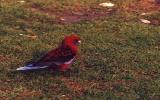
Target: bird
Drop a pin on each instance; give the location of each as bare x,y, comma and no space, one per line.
59,58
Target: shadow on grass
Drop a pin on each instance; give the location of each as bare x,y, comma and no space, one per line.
37,74
44,73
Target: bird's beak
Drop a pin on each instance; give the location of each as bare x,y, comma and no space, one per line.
79,41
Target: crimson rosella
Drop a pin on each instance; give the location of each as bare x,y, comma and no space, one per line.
59,58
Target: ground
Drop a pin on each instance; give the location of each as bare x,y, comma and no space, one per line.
119,56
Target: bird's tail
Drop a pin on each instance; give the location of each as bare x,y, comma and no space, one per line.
30,67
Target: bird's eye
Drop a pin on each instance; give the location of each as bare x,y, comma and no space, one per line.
75,41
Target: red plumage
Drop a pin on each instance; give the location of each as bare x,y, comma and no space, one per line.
59,58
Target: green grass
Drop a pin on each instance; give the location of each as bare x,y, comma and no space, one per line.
119,59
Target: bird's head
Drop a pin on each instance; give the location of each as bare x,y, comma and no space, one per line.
72,39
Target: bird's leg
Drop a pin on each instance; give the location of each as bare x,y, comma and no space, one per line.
53,67
64,67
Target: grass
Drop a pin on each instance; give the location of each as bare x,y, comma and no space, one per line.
119,55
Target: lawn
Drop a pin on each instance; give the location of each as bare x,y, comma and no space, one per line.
119,56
